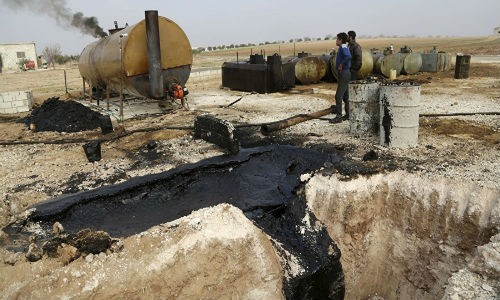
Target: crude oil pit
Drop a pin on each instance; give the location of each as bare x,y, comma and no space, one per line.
263,182
406,237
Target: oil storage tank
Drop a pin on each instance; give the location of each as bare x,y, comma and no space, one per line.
367,64
392,62
412,63
258,75
436,61
308,69
145,58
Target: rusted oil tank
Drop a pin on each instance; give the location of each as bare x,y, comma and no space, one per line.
329,74
309,69
124,54
412,63
367,64
391,62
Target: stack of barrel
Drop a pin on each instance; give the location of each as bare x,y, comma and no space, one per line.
389,110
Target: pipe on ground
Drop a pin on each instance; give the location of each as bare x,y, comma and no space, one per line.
268,128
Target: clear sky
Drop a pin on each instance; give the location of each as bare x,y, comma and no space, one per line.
223,22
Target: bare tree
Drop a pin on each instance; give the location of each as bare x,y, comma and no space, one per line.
51,52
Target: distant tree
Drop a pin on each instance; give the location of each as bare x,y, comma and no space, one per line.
298,40
291,40
307,39
51,52
329,36
22,63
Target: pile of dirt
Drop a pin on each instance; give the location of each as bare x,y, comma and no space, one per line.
67,116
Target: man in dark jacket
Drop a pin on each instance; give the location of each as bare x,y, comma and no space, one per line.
355,50
343,66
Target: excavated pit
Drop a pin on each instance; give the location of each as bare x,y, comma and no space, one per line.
263,182
403,236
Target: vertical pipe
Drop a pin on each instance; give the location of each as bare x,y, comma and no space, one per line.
107,95
91,92
65,83
83,80
293,48
121,77
154,54
237,58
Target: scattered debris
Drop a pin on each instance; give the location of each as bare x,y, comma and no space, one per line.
217,131
370,155
93,151
34,253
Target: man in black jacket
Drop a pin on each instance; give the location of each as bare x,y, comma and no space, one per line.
356,60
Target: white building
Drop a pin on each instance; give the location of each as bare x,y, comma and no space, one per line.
10,54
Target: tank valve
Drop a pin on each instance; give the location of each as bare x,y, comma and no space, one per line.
176,91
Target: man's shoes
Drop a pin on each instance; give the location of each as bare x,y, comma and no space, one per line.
337,119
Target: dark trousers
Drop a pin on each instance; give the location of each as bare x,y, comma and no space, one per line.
342,93
354,74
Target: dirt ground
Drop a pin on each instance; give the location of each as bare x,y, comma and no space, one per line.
203,254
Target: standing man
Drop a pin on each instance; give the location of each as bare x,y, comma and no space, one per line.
356,53
343,65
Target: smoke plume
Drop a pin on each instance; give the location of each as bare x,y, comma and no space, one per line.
58,10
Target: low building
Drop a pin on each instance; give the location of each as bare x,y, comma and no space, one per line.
11,54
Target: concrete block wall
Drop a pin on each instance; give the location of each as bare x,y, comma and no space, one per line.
197,75
16,102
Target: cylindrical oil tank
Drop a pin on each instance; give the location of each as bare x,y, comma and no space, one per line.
391,62
364,112
367,64
444,61
309,69
377,62
329,74
412,63
399,113
124,55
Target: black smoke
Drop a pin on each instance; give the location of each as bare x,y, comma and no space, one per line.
58,10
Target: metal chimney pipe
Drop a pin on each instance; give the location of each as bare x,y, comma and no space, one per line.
154,54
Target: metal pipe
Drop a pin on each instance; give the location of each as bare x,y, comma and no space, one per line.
121,75
278,125
83,79
65,83
91,91
154,54
107,96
